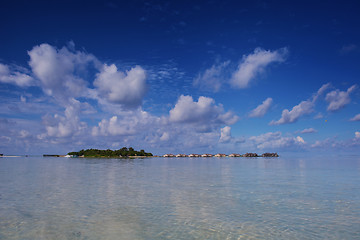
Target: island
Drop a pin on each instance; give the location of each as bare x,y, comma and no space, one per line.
122,153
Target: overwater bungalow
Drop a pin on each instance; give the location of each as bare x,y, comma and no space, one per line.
270,155
194,155
181,155
234,155
71,156
220,155
206,155
169,155
250,155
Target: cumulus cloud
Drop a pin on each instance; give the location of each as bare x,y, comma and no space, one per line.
15,77
338,99
127,89
308,130
225,135
113,127
65,75
262,109
60,71
186,110
212,78
59,126
303,108
275,140
356,118
189,124
141,127
129,123
254,64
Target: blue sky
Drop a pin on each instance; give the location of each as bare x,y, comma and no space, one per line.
179,76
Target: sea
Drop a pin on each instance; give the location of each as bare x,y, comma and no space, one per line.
180,198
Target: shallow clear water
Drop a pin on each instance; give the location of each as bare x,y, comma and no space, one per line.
200,198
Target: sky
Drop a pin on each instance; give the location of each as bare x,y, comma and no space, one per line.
180,76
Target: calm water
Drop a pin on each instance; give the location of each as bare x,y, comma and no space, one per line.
212,198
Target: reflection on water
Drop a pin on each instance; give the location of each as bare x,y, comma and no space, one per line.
212,198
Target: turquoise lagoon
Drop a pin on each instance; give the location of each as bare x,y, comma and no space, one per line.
180,198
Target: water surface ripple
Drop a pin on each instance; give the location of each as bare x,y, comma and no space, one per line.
180,198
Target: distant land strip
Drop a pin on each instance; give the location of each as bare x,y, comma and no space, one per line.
131,153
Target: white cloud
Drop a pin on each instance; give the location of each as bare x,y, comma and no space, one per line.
354,142
323,143
202,111
262,109
309,130
322,90
23,99
356,118
62,74
59,71
303,108
113,126
212,78
300,140
7,127
357,135
275,140
177,132
16,136
64,126
333,143
165,136
24,134
140,127
129,123
127,89
254,64
318,116
338,99
225,135
248,69
14,77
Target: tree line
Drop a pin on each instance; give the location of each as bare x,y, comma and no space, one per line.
123,152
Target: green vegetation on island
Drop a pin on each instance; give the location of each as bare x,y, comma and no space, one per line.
123,152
